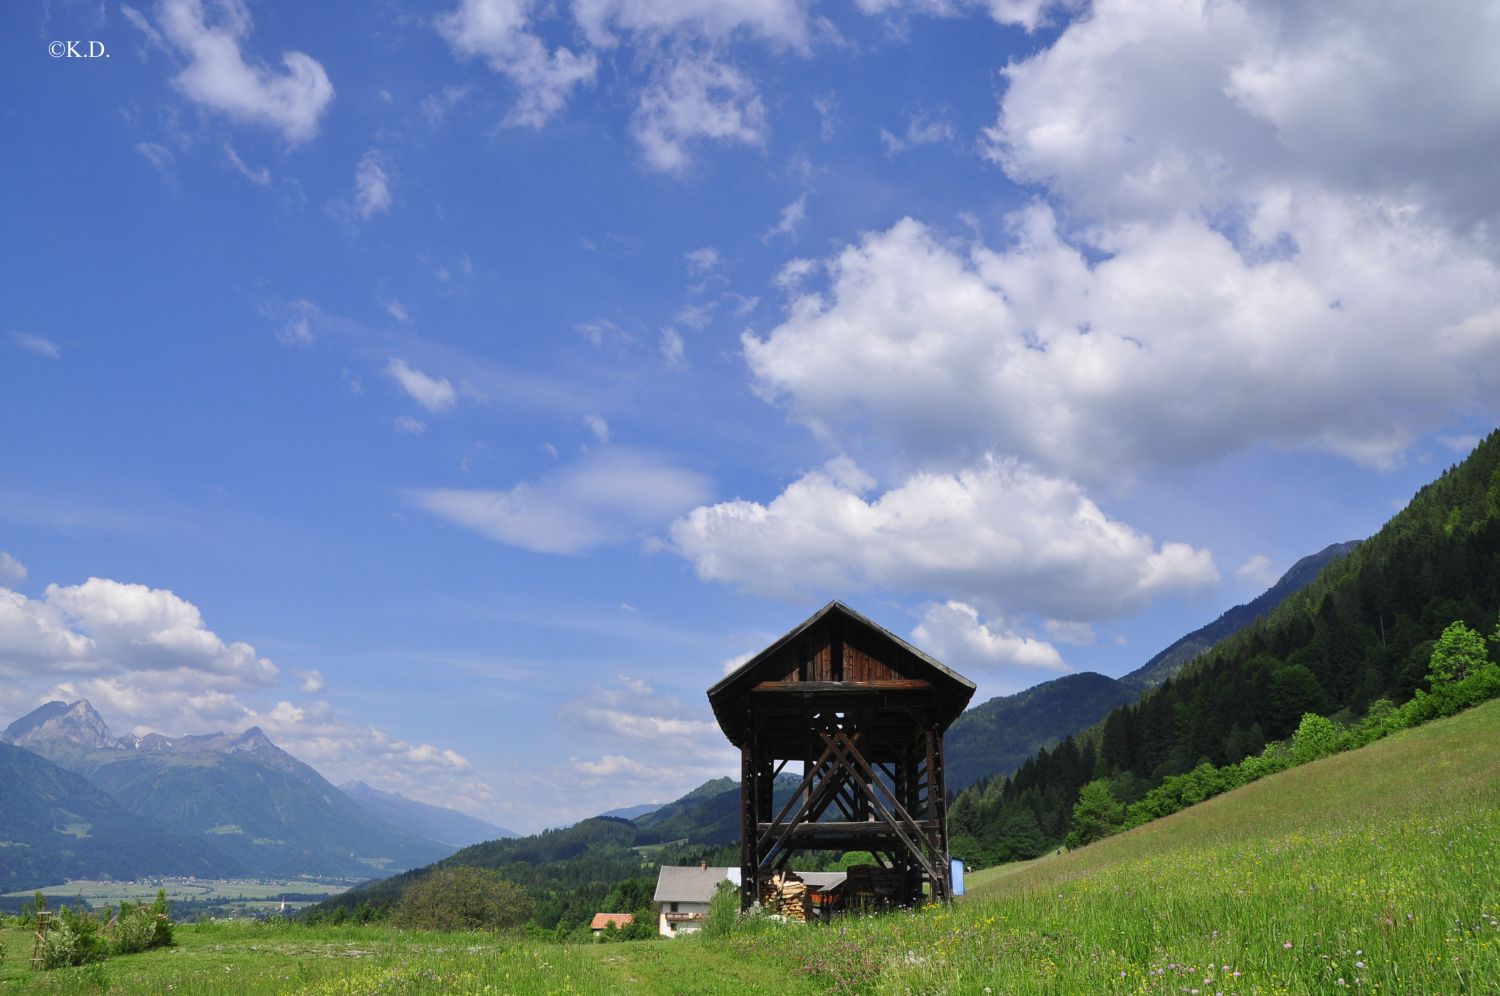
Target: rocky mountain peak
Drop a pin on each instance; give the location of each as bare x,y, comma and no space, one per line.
74,724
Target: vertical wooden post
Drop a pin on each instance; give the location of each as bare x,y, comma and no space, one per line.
749,817
937,811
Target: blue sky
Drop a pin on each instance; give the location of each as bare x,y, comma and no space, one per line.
456,394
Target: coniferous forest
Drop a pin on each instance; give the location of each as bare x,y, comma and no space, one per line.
1361,634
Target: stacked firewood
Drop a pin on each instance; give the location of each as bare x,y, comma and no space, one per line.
870,885
786,894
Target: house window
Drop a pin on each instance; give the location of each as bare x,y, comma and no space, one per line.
674,907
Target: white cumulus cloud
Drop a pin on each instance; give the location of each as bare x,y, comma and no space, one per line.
12,571
105,627
219,76
1177,347
997,534
991,651
1255,191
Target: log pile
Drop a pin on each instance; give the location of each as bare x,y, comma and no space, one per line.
786,894
870,885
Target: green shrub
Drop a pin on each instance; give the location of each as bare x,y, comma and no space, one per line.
74,939
1316,736
140,927
723,911
1276,757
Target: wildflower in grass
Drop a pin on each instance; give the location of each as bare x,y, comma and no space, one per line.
1287,945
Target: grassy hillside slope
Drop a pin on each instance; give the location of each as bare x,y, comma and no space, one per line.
1378,867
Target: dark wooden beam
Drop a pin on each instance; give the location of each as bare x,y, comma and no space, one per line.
824,688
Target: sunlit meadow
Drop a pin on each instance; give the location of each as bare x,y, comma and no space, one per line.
1372,871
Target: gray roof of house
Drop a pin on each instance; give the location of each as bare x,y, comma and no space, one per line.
691,884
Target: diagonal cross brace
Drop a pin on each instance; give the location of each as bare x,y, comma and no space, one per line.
850,757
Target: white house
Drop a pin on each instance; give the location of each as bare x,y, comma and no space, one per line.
683,894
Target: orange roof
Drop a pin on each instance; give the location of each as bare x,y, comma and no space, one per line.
603,920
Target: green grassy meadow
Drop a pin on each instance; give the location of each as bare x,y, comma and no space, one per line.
1372,871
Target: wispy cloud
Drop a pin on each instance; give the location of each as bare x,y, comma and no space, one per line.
161,159
260,175
1256,571
601,500
694,100
598,426
409,425
499,32
790,221
436,394
36,345
372,185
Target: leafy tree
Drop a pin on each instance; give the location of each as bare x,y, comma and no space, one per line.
1316,737
462,898
1097,814
1459,651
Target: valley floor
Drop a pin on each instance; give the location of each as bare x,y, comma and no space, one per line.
1374,871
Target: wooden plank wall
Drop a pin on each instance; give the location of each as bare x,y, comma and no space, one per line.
822,655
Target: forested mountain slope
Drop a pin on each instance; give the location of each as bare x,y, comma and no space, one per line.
997,737
1363,630
56,825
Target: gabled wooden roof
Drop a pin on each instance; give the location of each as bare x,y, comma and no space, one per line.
879,661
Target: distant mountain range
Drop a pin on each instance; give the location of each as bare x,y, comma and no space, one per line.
215,805
998,736
631,812
446,826
55,825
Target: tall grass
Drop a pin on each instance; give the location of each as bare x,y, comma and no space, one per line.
1374,871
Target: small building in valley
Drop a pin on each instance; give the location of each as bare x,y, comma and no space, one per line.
683,894
604,921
